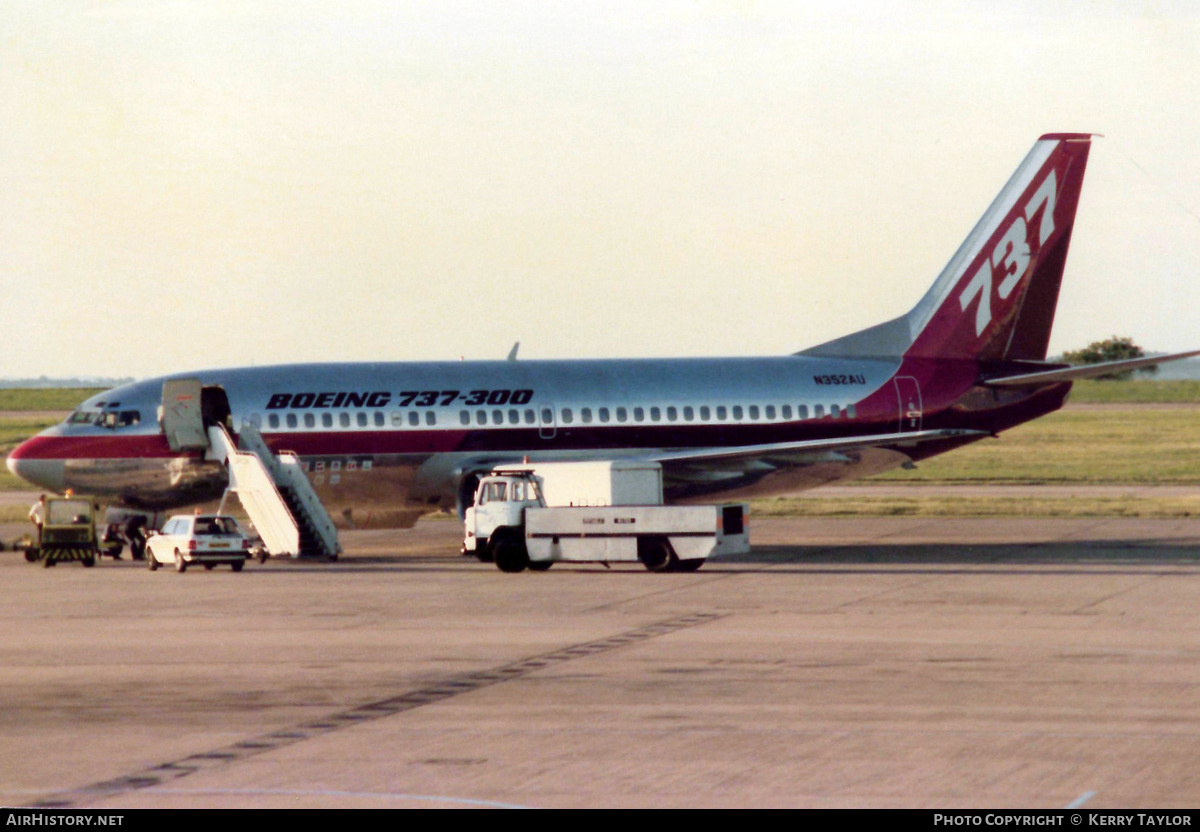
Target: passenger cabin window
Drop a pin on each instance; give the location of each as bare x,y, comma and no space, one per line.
380,421
786,411
851,412
737,411
326,420
688,414
722,413
430,417
414,418
344,419
529,416
770,411
310,420
753,411
603,414
639,415
291,420
818,410
567,416
273,420
361,418
655,414
835,411
672,414
802,411
464,417
585,415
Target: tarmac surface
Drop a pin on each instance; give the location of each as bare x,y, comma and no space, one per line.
862,662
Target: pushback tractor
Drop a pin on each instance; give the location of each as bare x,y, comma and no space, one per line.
533,516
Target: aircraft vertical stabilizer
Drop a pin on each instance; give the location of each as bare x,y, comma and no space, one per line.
996,297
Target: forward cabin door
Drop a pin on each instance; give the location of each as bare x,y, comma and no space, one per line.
182,417
908,391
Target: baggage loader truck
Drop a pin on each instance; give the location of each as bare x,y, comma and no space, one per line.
534,515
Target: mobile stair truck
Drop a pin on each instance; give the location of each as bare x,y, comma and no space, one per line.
534,515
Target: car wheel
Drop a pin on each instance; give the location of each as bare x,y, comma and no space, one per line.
88,562
151,561
208,567
237,565
689,565
540,565
180,563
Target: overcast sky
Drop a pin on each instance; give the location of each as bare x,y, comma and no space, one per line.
198,184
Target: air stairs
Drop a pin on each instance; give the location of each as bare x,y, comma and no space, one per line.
276,493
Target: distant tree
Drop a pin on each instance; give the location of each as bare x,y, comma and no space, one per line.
1115,348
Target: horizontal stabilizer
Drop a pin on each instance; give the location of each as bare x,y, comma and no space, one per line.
1086,371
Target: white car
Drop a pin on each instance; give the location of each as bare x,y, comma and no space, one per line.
205,539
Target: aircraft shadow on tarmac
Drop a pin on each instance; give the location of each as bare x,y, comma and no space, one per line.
1131,555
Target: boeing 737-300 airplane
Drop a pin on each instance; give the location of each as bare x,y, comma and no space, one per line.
382,443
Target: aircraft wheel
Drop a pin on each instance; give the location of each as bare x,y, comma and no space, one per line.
237,565
689,565
510,556
656,554
540,565
180,563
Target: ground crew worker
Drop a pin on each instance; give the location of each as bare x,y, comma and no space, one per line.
37,516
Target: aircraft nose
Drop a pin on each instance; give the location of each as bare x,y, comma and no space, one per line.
28,462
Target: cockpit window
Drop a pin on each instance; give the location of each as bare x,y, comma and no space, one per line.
105,419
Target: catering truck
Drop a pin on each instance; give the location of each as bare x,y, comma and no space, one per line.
534,515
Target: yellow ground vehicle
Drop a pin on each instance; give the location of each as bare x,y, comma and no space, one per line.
68,533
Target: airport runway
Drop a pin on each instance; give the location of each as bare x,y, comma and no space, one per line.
848,662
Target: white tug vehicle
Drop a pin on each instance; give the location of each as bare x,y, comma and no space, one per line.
531,516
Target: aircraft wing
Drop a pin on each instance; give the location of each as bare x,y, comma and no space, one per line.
821,448
745,471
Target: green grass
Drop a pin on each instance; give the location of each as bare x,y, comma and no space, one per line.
44,398
1109,445
1135,392
973,506
16,429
